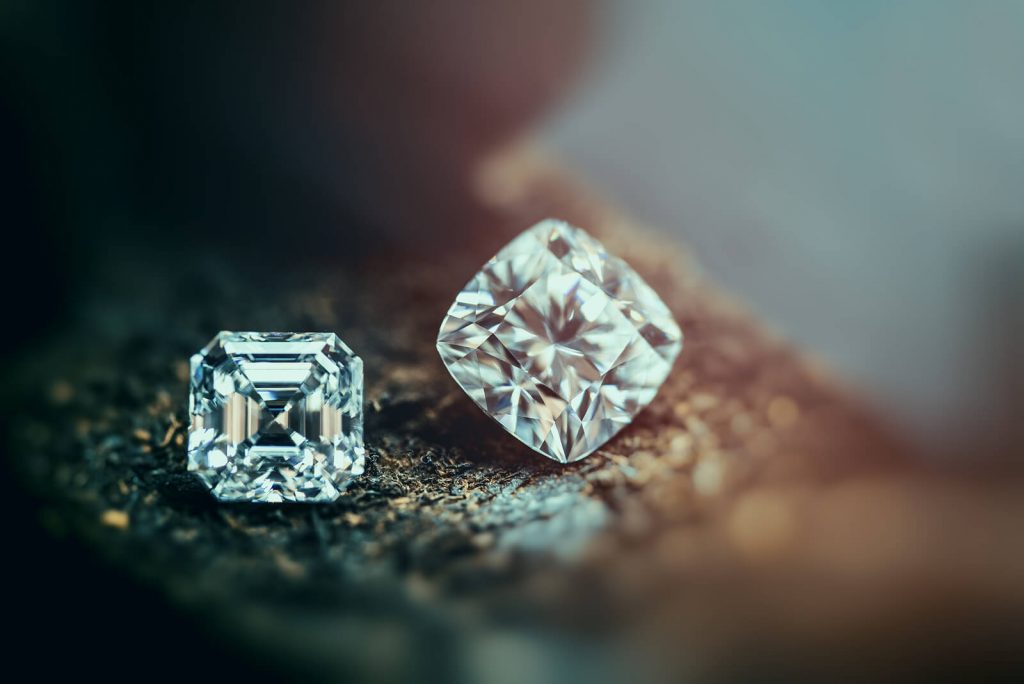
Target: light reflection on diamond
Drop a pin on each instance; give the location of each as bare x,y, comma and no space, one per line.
276,416
558,341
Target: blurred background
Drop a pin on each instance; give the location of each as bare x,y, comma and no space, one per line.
851,171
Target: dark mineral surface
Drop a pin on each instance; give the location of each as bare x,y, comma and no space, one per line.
753,520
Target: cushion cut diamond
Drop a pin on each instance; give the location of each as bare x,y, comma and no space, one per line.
558,341
276,416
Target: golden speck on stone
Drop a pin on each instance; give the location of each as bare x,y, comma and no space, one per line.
232,521
607,476
645,464
680,449
703,401
353,519
699,429
168,435
484,540
289,567
709,475
115,518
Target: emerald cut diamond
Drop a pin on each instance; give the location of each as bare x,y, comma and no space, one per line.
276,416
558,341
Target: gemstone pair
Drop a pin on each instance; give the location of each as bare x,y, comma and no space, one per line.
559,342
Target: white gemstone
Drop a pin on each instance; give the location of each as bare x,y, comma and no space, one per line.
276,416
560,342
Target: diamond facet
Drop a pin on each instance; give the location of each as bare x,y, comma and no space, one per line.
560,342
276,416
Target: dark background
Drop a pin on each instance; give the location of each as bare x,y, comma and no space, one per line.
170,157
143,138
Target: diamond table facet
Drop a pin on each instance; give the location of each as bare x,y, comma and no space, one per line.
276,416
560,342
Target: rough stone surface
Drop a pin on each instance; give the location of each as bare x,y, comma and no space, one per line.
753,522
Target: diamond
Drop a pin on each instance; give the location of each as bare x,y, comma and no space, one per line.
276,416
560,342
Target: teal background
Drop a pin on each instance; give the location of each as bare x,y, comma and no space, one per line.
852,170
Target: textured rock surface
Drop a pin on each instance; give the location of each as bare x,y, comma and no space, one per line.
752,517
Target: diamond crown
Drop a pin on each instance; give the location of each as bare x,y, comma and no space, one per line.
560,342
276,416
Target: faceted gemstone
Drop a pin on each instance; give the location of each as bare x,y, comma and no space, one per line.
558,341
276,416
